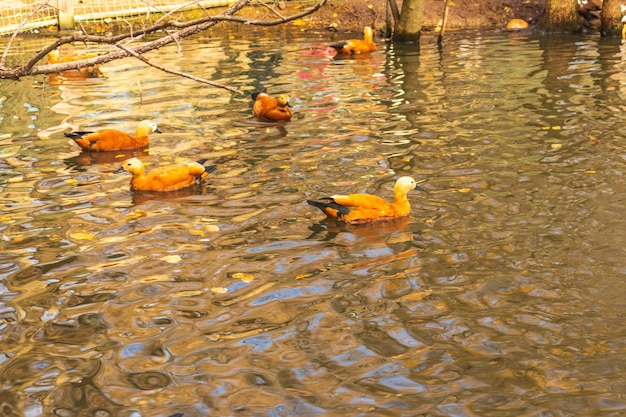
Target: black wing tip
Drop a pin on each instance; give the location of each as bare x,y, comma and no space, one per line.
256,93
330,204
339,45
76,135
207,170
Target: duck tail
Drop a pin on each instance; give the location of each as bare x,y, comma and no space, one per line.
339,45
256,93
329,207
207,170
76,135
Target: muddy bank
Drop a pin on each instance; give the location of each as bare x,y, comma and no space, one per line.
351,15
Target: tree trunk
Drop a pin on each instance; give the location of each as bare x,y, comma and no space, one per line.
561,16
611,20
409,26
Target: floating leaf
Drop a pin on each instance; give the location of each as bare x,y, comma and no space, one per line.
190,293
556,146
196,232
156,278
243,276
7,151
302,276
136,214
212,228
71,181
464,190
219,290
298,22
244,217
172,259
82,236
590,171
417,295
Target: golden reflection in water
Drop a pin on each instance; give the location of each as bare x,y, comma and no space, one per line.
85,158
501,294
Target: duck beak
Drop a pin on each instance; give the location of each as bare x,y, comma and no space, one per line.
119,170
157,130
417,187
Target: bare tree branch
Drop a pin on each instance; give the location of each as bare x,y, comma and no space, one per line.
182,30
179,73
17,30
271,9
182,6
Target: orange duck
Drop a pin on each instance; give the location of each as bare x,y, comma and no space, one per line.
275,109
357,46
364,208
169,178
114,140
92,71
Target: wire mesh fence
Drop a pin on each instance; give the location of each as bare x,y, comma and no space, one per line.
28,15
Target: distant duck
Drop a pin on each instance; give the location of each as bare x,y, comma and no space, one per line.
364,208
357,46
516,24
114,140
92,71
271,108
168,178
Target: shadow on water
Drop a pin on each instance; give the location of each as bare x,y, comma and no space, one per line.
329,229
86,158
501,293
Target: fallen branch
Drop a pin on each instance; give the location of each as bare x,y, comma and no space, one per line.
179,73
182,30
17,30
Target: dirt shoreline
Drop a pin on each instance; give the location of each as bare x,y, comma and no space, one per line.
352,15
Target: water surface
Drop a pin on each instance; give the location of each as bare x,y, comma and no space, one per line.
501,295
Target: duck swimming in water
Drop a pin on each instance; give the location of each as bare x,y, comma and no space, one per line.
114,140
357,46
271,108
168,178
91,71
364,208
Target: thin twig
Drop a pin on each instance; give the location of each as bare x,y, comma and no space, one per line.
182,6
183,29
444,20
140,93
17,30
175,40
130,26
179,73
271,9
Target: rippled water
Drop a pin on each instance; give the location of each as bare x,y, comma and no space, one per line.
501,295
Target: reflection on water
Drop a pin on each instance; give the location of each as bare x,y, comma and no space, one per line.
500,295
